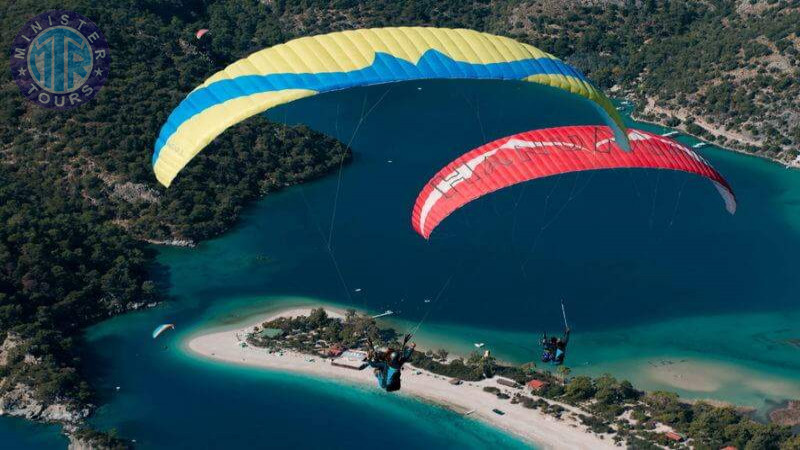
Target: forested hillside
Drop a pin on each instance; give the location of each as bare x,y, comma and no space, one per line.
728,71
78,198
77,195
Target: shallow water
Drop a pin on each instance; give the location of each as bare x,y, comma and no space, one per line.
169,398
651,267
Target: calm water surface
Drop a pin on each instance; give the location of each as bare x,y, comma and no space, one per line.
650,265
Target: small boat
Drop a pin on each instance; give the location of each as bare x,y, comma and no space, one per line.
478,344
469,412
388,312
427,300
699,145
498,412
389,161
357,290
670,134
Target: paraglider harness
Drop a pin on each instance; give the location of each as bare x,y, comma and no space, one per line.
548,348
388,364
554,349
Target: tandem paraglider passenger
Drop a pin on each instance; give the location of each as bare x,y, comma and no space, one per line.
554,349
548,348
388,364
561,348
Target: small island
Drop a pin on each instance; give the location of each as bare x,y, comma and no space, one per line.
533,403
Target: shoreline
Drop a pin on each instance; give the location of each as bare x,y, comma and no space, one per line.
531,426
637,116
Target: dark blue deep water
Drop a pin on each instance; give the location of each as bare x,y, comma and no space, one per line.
634,253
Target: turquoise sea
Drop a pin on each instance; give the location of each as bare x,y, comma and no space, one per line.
19,434
660,283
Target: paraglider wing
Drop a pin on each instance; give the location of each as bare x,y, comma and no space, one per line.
312,65
161,329
542,153
200,33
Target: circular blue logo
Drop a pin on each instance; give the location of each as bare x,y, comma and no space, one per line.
60,59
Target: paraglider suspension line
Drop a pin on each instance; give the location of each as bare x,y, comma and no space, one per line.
655,197
476,109
327,247
516,211
677,202
341,160
436,299
573,194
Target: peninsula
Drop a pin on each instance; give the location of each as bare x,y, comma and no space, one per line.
533,404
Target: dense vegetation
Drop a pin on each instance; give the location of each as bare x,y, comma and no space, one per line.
64,266
732,66
96,439
77,194
316,332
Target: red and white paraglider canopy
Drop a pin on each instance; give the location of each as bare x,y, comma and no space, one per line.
552,151
200,33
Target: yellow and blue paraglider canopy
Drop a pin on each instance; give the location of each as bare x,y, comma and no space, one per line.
317,64
162,328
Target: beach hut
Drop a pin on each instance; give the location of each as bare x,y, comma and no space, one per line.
335,350
507,382
673,436
351,359
536,385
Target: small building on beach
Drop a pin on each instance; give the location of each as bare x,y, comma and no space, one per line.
507,382
536,385
334,351
351,359
673,436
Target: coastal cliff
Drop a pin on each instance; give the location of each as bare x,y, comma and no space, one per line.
19,399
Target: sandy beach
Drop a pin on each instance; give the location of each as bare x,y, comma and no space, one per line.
533,426
711,377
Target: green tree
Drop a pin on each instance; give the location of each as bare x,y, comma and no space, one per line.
580,388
